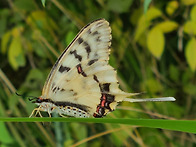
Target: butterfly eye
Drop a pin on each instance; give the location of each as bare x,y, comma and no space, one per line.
38,100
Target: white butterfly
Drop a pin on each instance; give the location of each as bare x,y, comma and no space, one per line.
81,82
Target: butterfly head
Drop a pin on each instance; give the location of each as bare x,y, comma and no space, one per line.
33,99
36,99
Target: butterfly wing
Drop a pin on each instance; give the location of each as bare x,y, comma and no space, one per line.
81,75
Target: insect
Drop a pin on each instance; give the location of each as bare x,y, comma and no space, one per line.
81,82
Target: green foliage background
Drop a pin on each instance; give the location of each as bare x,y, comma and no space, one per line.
153,51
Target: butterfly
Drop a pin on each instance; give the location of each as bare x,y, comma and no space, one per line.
81,82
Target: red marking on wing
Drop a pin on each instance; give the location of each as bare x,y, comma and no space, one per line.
103,103
79,69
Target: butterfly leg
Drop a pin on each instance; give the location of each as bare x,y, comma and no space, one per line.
49,114
62,115
33,112
37,111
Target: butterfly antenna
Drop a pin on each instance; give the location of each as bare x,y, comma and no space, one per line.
19,94
30,98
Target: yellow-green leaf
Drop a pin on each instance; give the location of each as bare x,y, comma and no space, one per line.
5,136
167,26
136,15
141,29
17,31
156,42
188,2
190,52
153,86
189,27
171,7
145,21
193,13
39,19
15,54
153,13
4,42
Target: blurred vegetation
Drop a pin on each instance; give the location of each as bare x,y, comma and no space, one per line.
154,52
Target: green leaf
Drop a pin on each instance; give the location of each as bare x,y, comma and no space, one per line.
171,7
69,37
175,125
174,73
193,13
5,137
189,27
190,52
4,15
40,20
190,89
145,20
167,26
188,2
156,42
136,15
15,54
25,5
146,5
119,6
43,3
4,42
153,13
153,86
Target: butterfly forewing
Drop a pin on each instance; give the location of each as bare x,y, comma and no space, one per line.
82,75
87,46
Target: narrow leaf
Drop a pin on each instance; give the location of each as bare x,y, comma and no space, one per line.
175,125
146,5
43,3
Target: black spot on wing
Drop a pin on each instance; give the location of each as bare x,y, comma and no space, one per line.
76,55
95,33
64,68
92,61
80,40
89,31
99,24
109,98
95,78
80,70
54,89
62,89
87,48
98,39
104,87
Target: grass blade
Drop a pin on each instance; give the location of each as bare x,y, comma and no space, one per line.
175,125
